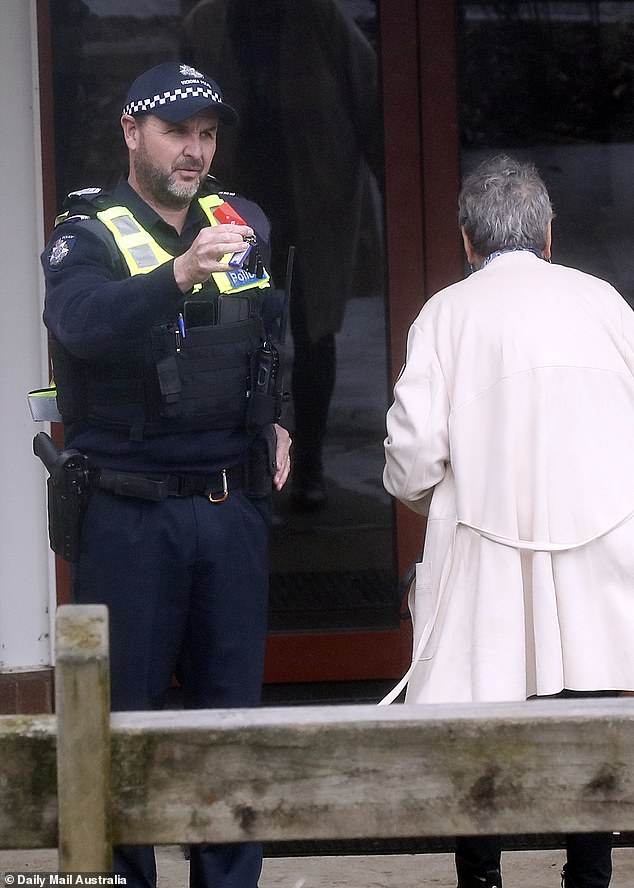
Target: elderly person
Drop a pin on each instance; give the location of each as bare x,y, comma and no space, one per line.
512,428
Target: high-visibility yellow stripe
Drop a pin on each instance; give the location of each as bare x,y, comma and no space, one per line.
143,254
139,249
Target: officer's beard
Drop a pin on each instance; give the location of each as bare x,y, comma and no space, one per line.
162,187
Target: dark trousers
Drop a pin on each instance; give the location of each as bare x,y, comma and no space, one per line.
588,855
186,585
589,859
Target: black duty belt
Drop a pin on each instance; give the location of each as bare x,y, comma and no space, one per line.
216,486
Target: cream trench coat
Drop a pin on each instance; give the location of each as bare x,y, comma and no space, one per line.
513,429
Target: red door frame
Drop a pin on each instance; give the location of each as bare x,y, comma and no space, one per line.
418,59
422,170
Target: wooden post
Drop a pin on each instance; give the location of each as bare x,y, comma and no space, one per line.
82,695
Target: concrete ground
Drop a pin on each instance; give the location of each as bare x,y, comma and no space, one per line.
520,869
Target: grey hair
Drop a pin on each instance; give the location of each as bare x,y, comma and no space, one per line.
504,204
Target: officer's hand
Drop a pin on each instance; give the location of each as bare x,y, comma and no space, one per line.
203,257
282,457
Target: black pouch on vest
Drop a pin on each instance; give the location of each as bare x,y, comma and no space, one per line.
265,399
200,312
203,372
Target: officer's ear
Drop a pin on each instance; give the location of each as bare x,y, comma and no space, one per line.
130,128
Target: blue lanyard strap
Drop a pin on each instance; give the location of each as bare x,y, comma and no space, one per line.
511,250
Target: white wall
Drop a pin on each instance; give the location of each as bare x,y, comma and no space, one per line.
26,577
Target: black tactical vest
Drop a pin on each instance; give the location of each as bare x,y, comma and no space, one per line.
193,373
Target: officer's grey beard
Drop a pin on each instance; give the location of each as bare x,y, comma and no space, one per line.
163,189
182,195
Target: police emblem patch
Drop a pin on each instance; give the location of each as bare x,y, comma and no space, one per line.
188,71
60,250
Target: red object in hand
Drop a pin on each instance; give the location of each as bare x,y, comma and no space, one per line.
226,215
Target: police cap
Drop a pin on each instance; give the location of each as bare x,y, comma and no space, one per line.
174,91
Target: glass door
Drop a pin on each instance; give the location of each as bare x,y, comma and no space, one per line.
553,82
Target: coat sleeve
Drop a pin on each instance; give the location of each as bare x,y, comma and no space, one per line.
417,442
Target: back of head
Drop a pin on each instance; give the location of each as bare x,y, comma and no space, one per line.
504,204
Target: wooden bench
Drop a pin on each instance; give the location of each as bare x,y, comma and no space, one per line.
84,779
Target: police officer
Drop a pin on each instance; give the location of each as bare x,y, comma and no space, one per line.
157,300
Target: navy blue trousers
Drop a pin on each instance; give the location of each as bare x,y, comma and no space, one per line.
186,585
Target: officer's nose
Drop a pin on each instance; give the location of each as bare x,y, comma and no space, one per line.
193,146
194,149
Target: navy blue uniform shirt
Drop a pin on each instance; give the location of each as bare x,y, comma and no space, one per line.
96,310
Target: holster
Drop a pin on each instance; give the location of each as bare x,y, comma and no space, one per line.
68,488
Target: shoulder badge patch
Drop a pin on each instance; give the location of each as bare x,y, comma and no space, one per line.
60,250
84,192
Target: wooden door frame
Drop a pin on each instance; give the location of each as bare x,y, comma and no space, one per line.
422,178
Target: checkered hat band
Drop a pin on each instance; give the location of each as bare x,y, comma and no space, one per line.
188,92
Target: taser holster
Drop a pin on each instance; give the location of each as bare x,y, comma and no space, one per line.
67,487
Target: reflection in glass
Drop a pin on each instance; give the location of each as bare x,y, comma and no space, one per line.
554,82
304,80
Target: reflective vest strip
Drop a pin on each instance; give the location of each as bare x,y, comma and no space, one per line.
139,249
143,254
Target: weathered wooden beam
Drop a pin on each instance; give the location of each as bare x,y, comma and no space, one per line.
363,771
295,773
82,703
28,782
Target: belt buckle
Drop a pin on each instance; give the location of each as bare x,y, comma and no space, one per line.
225,490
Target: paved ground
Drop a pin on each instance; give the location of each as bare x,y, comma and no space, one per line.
521,869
